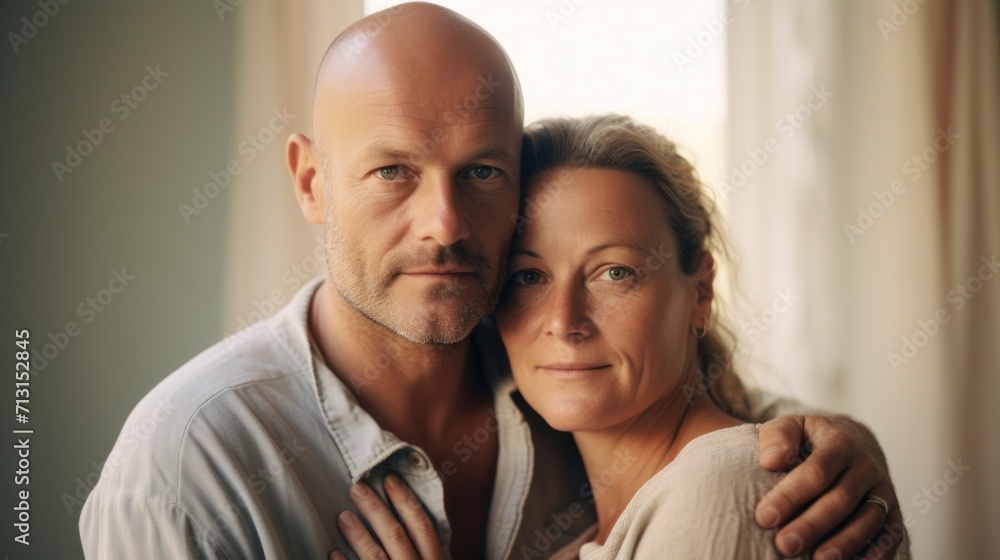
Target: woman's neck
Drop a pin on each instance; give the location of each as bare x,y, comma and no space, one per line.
620,459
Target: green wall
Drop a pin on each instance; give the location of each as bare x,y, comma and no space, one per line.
61,240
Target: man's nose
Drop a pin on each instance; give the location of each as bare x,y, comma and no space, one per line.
439,212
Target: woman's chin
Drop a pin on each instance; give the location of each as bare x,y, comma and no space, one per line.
572,415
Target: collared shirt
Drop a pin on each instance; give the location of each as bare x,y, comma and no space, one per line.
249,450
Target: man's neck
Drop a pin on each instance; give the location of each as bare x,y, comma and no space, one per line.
416,391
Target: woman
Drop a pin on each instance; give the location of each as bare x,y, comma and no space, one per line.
608,321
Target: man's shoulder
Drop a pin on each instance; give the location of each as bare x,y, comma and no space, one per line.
223,396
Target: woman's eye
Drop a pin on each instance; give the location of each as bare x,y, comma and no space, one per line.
527,277
388,173
617,273
485,172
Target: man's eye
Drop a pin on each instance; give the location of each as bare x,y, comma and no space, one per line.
485,172
617,273
389,173
528,277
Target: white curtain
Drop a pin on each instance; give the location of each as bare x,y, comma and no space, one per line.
864,187
272,250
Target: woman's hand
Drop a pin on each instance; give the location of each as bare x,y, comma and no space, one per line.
415,539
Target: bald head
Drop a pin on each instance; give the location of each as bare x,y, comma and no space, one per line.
423,48
414,171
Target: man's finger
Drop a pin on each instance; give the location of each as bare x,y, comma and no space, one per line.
418,524
780,440
800,487
835,506
852,537
387,528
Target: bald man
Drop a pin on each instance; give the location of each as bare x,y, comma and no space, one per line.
250,450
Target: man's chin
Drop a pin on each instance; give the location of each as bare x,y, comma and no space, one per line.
435,333
433,321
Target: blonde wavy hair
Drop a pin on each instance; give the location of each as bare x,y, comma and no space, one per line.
617,142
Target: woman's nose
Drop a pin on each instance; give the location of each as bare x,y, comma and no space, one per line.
567,317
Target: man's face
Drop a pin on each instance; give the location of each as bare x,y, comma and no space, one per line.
421,182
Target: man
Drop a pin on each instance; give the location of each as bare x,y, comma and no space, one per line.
252,447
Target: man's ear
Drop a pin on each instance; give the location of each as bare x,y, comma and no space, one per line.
704,279
306,170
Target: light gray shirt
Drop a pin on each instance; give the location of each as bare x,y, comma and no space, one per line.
249,450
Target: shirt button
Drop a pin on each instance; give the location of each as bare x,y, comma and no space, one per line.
417,460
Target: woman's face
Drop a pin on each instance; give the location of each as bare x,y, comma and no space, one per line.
597,313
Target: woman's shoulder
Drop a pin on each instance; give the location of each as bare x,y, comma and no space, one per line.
722,466
709,490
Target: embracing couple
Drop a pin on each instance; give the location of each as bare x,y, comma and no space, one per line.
388,412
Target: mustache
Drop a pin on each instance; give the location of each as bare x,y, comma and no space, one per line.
455,255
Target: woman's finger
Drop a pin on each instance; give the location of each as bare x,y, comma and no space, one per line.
395,542
359,538
418,523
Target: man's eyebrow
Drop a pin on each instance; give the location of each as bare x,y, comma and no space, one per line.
385,149
494,150
379,148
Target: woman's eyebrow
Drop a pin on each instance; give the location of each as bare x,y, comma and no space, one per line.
525,252
613,244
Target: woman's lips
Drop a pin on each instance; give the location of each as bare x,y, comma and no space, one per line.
573,370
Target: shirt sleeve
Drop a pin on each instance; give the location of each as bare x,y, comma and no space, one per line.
114,526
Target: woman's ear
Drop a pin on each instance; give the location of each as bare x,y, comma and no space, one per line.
704,279
306,170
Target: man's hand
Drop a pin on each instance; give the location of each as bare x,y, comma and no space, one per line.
843,465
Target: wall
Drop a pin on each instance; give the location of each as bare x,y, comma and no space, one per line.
64,235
